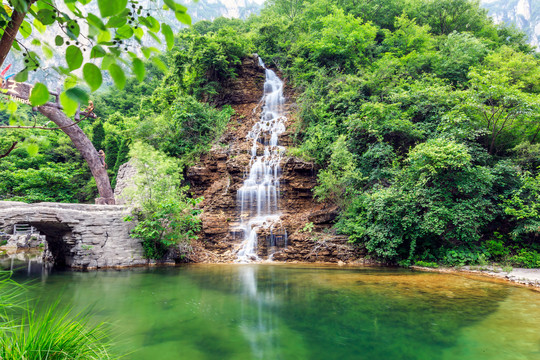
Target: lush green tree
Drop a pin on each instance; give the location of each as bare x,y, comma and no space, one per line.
439,200
524,206
338,41
340,179
446,16
166,216
459,52
118,30
204,63
502,109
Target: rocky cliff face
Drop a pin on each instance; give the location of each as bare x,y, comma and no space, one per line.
525,14
221,172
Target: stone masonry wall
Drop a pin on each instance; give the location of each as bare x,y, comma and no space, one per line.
84,236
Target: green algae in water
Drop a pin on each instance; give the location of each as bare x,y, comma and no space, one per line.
304,312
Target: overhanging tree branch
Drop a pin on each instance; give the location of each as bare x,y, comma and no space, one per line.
9,150
42,127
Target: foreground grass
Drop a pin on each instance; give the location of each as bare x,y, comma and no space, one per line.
49,334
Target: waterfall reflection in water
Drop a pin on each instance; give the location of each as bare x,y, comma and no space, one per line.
258,324
256,311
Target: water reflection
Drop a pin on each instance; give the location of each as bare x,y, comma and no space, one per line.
257,323
27,263
287,312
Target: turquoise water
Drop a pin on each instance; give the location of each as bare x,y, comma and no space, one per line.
303,312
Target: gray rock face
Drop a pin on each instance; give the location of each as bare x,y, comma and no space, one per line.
79,235
124,179
525,14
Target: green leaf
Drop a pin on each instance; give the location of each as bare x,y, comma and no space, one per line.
39,95
39,26
107,61
111,7
92,76
74,57
47,51
70,106
97,52
169,37
139,33
117,75
138,69
46,16
170,4
160,64
78,95
104,37
174,6
26,29
146,52
32,149
116,22
154,36
125,32
183,17
96,21
58,40
21,76
73,29
70,81
152,24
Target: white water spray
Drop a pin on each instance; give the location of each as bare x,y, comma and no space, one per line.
259,195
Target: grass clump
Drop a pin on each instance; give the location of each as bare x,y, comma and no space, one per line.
46,334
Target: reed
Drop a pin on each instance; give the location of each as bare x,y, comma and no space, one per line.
32,333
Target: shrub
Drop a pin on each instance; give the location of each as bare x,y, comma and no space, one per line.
527,258
166,215
173,222
426,264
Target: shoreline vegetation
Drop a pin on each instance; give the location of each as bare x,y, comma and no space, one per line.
425,127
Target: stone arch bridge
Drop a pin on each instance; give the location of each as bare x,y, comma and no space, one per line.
78,235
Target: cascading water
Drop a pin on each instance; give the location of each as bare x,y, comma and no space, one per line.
259,195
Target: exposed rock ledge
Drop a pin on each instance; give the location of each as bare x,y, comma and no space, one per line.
78,235
526,277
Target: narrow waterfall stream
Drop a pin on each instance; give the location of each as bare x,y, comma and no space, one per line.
258,198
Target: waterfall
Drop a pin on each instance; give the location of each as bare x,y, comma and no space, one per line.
258,198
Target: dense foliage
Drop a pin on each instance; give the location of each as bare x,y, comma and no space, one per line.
424,116
166,216
171,116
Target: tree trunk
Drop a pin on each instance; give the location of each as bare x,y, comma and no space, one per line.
87,150
10,34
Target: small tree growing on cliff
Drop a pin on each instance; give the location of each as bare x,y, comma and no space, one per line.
110,40
166,216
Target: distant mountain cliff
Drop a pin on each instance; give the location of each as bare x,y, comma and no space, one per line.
211,9
525,14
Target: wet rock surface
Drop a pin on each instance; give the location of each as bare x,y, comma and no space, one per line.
220,173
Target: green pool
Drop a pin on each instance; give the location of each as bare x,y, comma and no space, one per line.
303,312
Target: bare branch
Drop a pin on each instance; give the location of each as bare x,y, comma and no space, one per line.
9,150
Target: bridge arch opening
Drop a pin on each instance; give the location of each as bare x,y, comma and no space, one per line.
59,243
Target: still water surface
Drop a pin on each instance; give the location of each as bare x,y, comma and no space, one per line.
303,312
